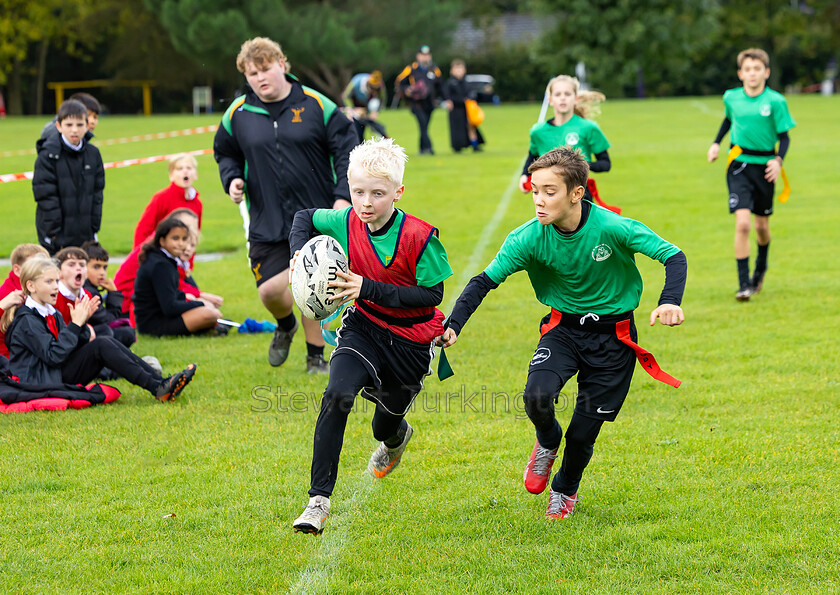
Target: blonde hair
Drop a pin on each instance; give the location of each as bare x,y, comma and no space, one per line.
175,159
24,252
755,54
588,102
260,51
380,158
32,270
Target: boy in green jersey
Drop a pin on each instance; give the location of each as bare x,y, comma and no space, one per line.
580,259
758,117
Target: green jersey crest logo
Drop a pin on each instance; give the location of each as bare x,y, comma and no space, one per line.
601,252
765,110
572,139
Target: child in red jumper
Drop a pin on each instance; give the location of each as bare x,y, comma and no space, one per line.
183,172
10,290
72,266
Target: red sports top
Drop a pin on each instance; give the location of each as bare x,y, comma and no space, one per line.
416,324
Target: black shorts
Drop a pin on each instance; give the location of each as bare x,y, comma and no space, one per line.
748,189
268,259
604,366
397,365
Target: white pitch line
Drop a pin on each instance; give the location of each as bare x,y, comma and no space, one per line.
317,573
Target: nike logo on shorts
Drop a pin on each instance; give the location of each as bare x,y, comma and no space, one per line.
603,411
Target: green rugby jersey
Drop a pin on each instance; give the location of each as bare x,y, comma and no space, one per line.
757,121
577,133
433,266
592,270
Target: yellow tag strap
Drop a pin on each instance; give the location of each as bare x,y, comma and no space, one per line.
784,196
733,153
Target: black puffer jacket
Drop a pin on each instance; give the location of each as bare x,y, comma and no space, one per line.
68,188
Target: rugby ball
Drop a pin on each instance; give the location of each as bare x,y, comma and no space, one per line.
315,267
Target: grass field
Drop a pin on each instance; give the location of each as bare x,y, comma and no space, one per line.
728,484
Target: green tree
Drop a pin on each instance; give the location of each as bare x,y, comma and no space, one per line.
28,31
628,46
326,41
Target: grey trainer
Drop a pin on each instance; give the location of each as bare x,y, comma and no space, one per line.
314,517
278,351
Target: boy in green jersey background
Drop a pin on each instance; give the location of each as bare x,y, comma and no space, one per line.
580,259
758,117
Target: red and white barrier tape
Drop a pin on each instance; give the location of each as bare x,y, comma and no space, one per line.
129,139
27,175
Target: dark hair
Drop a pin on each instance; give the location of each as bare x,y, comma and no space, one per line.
95,251
567,163
71,109
88,100
68,253
161,231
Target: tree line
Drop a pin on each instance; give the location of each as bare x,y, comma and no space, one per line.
630,48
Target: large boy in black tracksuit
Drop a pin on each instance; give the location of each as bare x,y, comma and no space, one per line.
68,182
284,147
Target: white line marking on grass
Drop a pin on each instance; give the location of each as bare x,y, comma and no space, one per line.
324,562
702,107
487,233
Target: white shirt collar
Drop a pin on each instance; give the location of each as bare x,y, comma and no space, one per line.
169,255
42,309
73,147
65,291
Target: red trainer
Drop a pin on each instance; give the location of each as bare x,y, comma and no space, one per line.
538,469
560,506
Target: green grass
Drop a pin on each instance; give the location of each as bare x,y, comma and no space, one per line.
728,484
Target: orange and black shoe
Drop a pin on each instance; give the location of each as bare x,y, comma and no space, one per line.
538,469
384,459
560,506
171,387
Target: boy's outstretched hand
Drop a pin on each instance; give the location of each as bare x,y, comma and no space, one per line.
350,283
668,314
448,338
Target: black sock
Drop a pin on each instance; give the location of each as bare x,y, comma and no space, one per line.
398,438
312,350
286,324
761,259
743,271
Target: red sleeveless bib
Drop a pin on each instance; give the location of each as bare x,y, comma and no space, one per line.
416,324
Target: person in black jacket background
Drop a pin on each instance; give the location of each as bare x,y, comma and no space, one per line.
160,307
462,134
296,144
420,84
68,182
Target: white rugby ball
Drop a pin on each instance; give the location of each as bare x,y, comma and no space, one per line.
315,267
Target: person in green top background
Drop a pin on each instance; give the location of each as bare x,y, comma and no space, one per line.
580,260
758,117
571,127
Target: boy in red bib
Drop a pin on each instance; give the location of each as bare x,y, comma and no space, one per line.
386,341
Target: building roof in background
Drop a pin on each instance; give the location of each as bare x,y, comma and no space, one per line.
508,29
